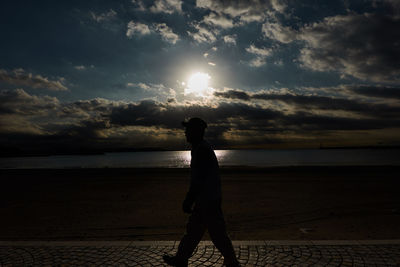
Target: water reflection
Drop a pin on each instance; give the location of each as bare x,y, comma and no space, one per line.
181,159
222,155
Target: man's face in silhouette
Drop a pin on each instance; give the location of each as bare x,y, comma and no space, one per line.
193,134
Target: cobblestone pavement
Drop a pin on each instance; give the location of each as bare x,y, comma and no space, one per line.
250,253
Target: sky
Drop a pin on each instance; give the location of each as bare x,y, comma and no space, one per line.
114,75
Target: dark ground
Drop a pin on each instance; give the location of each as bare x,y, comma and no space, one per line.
145,204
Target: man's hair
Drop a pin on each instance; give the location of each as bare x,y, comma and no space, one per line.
195,123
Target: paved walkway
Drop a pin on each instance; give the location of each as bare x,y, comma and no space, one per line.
250,253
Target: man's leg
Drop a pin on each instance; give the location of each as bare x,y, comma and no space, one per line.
195,229
217,230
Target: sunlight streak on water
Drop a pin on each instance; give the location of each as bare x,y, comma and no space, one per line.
181,159
222,154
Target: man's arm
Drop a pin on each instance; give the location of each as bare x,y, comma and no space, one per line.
195,187
197,179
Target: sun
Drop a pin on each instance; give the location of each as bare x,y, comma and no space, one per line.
198,84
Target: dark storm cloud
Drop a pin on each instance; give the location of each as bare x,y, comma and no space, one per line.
375,91
21,113
20,77
365,46
315,102
41,124
100,123
148,113
86,129
234,94
104,114
100,105
20,102
392,4
151,113
305,122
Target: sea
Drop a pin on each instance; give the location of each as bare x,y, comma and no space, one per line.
181,159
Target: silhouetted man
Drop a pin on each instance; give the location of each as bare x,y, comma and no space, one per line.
204,196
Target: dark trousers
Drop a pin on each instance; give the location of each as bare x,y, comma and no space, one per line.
202,218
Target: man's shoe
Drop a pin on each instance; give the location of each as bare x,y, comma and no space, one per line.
174,261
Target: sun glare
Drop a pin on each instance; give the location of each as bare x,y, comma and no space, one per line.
198,83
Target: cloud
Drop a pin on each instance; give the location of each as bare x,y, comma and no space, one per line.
153,91
86,109
218,20
245,10
279,5
87,129
136,27
162,29
107,16
203,34
20,77
278,32
151,113
20,102
230,39
140,6
140,85
316,103
166,33
364,46
375,91
393,4
261,55
80,67
44,123
248,124
257,62
166,6
233,94
259,51
11,124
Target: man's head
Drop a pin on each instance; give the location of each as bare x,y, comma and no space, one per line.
194,131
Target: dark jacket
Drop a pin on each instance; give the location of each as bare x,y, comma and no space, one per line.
205,182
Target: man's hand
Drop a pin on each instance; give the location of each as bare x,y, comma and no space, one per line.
187,206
